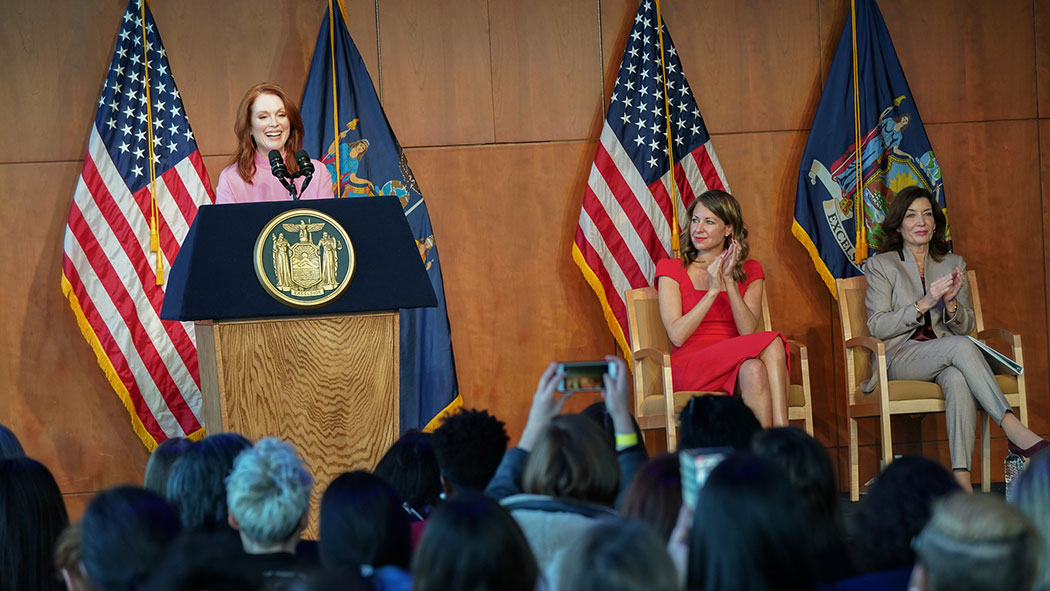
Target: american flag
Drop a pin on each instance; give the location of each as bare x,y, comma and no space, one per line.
626,219
109,270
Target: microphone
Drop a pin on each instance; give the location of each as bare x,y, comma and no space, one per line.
306,168
279,170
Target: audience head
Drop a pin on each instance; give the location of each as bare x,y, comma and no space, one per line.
975,542
363,522
472,543
808,467
717,421
32,515
10,446
654,495
268,494
197,481
572,460
469,446
160,461
1031,494
600,414
411,467
898,208
748,530
69,561
614,555
124,533
897,507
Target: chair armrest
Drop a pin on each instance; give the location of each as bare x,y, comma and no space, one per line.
657,356
798,347
1014,340
872,344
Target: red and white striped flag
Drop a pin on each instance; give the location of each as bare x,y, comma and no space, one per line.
142,175
626,219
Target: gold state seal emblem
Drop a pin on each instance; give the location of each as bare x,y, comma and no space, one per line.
304,258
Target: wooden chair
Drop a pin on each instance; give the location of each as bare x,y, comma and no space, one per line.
656,404
906,396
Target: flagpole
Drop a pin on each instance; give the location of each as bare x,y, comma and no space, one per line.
335,97
154,232
675,246
861,252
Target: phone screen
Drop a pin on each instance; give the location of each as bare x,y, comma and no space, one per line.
584,376
696,465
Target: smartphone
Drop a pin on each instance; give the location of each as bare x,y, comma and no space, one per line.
584,376
695,466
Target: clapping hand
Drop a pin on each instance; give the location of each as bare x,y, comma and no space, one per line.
729,261
956,286
714,273
936,290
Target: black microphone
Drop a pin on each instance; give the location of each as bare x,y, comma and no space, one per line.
279,170
306,168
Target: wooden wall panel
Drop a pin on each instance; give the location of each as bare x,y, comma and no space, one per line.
437,71
742,59
617,18
966,61
52,393
546,70
516,300
1042,56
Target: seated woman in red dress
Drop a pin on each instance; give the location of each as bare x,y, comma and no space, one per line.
711,305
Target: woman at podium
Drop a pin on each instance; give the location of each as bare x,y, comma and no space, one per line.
267,120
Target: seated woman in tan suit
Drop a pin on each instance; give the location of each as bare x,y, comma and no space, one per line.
918,302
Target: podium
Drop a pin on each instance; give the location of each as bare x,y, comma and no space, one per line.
325,378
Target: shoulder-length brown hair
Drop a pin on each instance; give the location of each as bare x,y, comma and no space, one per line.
727,208
573,460
891,225
244,157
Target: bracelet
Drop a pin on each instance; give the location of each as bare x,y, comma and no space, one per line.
625,440
918,311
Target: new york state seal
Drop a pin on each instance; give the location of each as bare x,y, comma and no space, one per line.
304,258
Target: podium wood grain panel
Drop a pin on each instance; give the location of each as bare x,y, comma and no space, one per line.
329,385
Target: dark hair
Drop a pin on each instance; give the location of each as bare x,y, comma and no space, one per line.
748,530
600,414
10,446
362,522
891,225
32,516
124,533
197,481
160,461
727,208
469,446
717,421
572,460
472,543
411,467
617,555
244,157
897,507
655,494
808,467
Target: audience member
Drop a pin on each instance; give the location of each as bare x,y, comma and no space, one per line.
197,481
716,421
32,515
69,563
654,495
469,446
616,555
124,533
600,414
473,544
897,507
363,523
10,446
973,543
808,468
160,461
411,467
1031,494
748,530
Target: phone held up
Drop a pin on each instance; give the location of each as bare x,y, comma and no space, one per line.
584,376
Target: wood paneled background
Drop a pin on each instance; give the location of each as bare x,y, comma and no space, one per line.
498,104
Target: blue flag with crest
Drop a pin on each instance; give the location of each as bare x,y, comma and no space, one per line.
866,144
347,129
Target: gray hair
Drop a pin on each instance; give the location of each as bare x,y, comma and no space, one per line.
268,491
1031,494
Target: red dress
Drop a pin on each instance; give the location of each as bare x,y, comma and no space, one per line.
710,358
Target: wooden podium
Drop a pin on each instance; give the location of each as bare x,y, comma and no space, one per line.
324,379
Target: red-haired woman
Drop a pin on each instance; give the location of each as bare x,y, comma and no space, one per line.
267,119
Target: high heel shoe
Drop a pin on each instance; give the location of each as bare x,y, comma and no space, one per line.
1041,445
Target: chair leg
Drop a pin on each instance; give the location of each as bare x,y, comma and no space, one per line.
854,462
887,439
986,453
